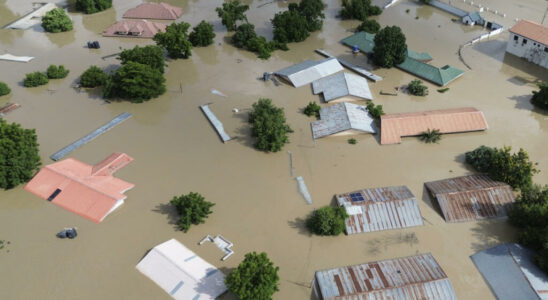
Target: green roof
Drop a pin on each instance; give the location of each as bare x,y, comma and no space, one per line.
419,56
364,40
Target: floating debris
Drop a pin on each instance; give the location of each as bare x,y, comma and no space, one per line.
68,233
218,93
215,122
221,242
290,162
304,190
8,108
94,45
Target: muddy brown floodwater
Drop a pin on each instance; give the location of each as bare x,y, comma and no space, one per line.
258,206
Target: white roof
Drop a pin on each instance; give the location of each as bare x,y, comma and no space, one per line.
309,71
181,273
341,117
341,85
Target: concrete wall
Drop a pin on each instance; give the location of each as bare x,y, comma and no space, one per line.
531,50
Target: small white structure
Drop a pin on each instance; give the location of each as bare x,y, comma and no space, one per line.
309,71
181,273
215,122
32,18
342,119
221,243
342,87
530,41
11,57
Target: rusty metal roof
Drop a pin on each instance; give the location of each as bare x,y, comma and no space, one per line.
394,126
342,117
531,30
471,197
406,278
378,209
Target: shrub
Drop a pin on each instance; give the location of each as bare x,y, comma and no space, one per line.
370,26
268,126
56,20
245,37
192,209
352,141
430,136
152,56
135,82
244,33
19,158
255,278
93,77
290,26
390,48
57,72
375,111
231,12
416,88
4,89
359,9
93,6
202,35
441,91
35,79
175,40
328,220
540,97
312,109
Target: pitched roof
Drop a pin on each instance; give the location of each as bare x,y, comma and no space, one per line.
531,30
142,28
364,40
476,17
309,71
341,85
89,191
160,11
394,126
181,273
341,117
406,278
378,209
471,197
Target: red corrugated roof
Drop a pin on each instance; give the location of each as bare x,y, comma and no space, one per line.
160,11
531,30
394,126
89,191
146,29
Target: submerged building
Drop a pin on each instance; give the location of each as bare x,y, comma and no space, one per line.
342,87
308,71
342,119
134,28
159,11
530,41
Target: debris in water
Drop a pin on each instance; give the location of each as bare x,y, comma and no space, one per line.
221,242
235,110
216,92
68,233
266,76
290,162
304,190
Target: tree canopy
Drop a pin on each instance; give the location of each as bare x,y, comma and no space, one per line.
370,26
359,9
327,220
56,20
255,278
175,40
57,72
192,209
416,88
202,35
93,77
312,109
244,33
93,6
135,82
19,159
312,10
231,12
150,55
540,97
4,89
246,37
290,26
268,126
390,47
35,79
375,111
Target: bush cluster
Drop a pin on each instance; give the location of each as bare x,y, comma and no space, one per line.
540,97
359,9
202,35
296,23
246,37
328,220
376,111
231,12
93,77
416,88
35,79
370,26
93,6
192,209
56,20
57,72
175,40
4,89
390,47
255,278
268,126
135,82
312,109
147,55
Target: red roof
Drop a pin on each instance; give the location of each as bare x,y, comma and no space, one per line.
87,190
531,30
160,11
134,28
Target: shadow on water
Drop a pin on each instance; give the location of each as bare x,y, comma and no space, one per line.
431,201
378,245
490,233
170,212
536,72
522,102
300,225
244,132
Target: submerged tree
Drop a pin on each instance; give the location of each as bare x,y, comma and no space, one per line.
328,220
148,55
192,209
359,9
231,12
57,72
370,26
540,97
19,159
56,20
376,111
202,35
255,278
93,6
312,109
244,33
135,82
268,126
390,47
35,79
4,89
93,77
312,10
416,88
290,26
175,40
430,136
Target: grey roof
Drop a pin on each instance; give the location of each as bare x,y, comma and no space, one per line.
510,273
341,85
341,117
215,122
308,71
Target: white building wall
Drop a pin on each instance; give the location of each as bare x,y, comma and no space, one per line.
529,49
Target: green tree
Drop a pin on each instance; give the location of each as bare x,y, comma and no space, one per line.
19,159
390,47
231,12
192,209
430,136
540,97
57,72
202,35
135,82
261,46
327,220
268,126
359,9
481,158
290,26
93,6
56,20
370,26
375,111
244,33
416,88
35,79
312,109
256,278
312,10
93,77
175,40
148,55
4,89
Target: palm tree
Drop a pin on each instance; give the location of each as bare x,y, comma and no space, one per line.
430,136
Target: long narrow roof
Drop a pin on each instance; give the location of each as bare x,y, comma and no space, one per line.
341,117
531,30
144,28
407,278
309,71
471,197
378,209
159,11
394,126
87,190
341,85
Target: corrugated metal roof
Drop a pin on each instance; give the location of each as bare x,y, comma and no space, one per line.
471,197
341,85
511,274
378,209
341,117
394,126
531,30
215,122
406,278
308,71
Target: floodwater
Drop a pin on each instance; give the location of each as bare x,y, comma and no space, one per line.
258,206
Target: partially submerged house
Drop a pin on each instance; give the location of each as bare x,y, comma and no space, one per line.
342,119
158,11
342,87
530,41
395,126
472,197
473,18
511,274
181,273
32,18
134,28
417,277
309,71
378,209
90,191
